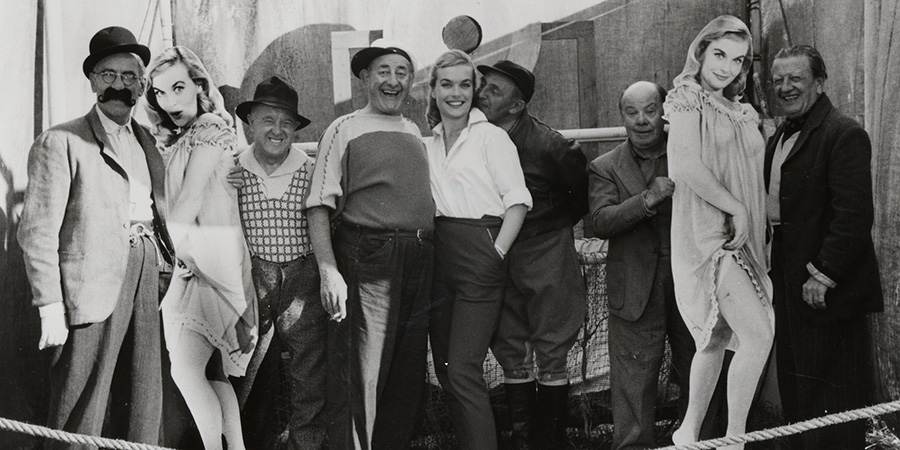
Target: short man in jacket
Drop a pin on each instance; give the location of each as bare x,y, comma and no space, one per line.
545,297
824,271
631,205
93,239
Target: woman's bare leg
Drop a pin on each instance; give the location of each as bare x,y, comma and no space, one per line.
705,368
189,362
741,308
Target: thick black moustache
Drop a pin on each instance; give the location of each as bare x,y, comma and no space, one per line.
123,95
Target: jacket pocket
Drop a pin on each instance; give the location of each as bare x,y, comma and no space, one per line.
71,267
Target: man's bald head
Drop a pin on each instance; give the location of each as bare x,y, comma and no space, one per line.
641,110
643,86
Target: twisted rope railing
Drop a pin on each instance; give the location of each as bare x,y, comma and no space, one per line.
794,428
711,444
72,438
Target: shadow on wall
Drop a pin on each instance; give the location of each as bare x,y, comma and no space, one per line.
302,58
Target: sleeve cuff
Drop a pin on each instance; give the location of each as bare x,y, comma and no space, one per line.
818,275
519,196
648,211
53,309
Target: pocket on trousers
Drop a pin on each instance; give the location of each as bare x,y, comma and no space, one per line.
373,250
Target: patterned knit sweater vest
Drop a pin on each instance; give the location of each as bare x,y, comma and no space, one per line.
275,228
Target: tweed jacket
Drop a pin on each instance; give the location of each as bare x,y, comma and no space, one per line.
75,224
827,213
618,214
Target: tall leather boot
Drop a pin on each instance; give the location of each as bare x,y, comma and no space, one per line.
521,399
553,415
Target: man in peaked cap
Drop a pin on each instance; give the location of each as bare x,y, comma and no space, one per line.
544,306
371,181
93,241
275,177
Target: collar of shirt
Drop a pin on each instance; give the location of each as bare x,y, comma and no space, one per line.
475,116
110,126
294,161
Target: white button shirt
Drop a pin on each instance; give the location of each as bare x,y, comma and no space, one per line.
480,175
126,146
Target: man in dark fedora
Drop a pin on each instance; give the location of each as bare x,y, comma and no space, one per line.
274,179
544,306
93,241
371,181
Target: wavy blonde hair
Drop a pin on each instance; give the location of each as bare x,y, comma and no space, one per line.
450,58
722,26
209,100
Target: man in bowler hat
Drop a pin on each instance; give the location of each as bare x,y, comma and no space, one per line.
93,240
274,179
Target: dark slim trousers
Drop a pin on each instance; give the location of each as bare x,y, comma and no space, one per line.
822,369
470,279
377,354
110,371
288,298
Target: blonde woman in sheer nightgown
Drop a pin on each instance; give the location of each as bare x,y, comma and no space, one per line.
718,223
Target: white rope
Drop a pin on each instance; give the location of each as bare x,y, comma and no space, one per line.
72,438
794,428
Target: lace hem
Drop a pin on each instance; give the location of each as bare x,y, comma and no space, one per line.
713,315
234,361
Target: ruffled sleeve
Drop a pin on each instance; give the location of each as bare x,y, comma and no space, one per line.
683,98
211,131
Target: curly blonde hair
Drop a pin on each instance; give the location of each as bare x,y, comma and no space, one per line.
209,100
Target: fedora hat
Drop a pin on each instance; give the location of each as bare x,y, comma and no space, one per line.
110,41
520,76
277,94
364,57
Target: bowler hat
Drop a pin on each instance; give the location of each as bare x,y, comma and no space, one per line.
110,41
364,57
520,76
277,94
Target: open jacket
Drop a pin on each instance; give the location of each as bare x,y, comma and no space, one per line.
827,213
75,225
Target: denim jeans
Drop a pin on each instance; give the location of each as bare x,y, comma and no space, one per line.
377,354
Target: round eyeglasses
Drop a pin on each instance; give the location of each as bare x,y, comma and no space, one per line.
109,77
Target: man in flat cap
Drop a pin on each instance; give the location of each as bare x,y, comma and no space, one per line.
275,177
371,187
545,296
93,241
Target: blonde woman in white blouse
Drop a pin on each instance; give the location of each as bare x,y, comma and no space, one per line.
481,201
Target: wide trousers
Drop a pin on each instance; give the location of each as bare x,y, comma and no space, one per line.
544,307
377,354
822,369
288,297
470,278
106,379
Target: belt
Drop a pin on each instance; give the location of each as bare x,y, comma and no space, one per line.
420,233
144,228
